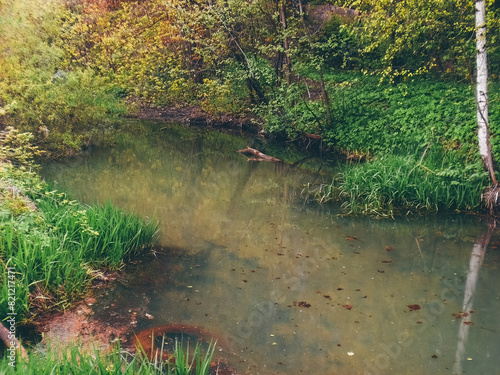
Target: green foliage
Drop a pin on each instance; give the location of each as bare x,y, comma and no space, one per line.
60,105
198,364
73,359
421,38
391,118
17,148
401,184
289,113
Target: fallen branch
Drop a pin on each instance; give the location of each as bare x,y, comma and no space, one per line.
259,156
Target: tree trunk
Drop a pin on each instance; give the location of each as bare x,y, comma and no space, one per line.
482,91
286,58
325,96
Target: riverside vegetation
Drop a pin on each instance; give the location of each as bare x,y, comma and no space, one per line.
386,83
390,83
72,360
56,247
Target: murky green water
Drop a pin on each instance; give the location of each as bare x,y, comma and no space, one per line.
289,287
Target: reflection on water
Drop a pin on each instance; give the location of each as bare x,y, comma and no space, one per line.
291,288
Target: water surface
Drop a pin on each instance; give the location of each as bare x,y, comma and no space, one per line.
291,287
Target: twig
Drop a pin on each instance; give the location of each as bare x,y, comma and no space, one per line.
419,249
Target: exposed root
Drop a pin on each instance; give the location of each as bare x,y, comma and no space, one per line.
491,197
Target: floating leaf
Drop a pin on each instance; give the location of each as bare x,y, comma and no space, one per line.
301,304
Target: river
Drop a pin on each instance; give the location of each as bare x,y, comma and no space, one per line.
289,286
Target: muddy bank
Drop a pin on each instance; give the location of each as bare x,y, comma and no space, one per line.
196,117
100,321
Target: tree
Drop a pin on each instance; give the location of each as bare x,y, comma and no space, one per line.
482,91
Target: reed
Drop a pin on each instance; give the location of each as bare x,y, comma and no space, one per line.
72,359
195,363
392,184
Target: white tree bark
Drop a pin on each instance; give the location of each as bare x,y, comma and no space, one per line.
482,89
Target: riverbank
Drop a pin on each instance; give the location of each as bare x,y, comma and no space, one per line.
53,249
400,148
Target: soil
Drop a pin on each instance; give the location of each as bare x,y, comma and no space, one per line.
78,324
194,116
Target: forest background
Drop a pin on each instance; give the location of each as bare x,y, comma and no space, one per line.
389,83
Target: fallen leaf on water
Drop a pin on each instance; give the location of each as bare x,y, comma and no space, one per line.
389,248
469,323
347,306
414,307
351,238
301,304
460,315
434,356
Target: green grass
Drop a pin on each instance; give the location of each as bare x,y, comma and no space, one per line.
393,184
57,247
74,360
196,363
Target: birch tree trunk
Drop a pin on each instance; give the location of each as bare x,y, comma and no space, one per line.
482,90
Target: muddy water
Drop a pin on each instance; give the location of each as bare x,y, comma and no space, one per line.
289,287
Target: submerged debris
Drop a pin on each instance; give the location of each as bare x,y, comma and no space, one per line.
301,304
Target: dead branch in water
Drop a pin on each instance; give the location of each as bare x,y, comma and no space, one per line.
259,156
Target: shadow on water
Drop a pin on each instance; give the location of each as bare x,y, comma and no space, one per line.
288,287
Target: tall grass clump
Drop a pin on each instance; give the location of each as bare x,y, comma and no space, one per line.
56,245
389,184
73,359
196,363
